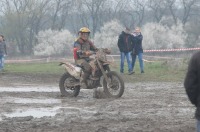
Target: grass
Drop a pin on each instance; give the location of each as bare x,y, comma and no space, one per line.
156,71
42,68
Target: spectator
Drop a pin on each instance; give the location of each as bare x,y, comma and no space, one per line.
137,49
125,44
3,51
192,84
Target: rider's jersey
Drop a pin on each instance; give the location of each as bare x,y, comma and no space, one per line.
80,47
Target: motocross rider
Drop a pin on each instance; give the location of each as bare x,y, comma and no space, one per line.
83,48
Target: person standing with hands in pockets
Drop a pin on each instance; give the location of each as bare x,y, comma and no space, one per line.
3,51
137,49
125,45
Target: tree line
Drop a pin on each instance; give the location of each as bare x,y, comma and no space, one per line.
22,20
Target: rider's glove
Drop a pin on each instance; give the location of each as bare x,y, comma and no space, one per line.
79,52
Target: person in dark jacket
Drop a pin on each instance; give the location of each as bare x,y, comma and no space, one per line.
192,84
137,49
3,51
125,45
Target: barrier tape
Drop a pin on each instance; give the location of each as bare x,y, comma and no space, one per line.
38,60
166,50
29,60
158,50
160,57
149,61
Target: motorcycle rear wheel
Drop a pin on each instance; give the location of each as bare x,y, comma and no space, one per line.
64,89
116,89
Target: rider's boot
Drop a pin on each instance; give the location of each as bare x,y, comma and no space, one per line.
98,83
95,95
83,79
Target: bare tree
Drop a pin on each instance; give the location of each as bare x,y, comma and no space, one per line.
119,6
187,7
138,10
172,9
21,20
56,5
93,7
66,8
61,8
158,7
38,11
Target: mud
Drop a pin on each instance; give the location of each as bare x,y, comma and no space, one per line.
33,103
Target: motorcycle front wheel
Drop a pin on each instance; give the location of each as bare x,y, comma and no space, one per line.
66,86
116,87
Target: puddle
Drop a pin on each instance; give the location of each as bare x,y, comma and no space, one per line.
29,89
31,100
42,112
37,101
36,113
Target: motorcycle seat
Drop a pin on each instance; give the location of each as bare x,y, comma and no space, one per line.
76,65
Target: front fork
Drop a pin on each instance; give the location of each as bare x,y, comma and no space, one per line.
104,73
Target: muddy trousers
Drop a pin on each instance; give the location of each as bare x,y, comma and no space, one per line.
86,72
84,77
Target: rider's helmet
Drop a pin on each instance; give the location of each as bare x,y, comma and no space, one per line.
84,30
84,33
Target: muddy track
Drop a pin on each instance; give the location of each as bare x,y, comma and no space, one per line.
33,103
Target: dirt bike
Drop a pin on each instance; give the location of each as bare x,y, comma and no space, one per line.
113,84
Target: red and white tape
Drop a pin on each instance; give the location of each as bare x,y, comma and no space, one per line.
71,59
167,50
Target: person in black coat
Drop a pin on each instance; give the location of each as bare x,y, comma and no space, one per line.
137,49
192,85
125,45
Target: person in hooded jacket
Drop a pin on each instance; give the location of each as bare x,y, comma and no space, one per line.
192,84
125,45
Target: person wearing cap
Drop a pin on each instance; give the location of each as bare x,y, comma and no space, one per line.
125,44
137,49
83,48
3,51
